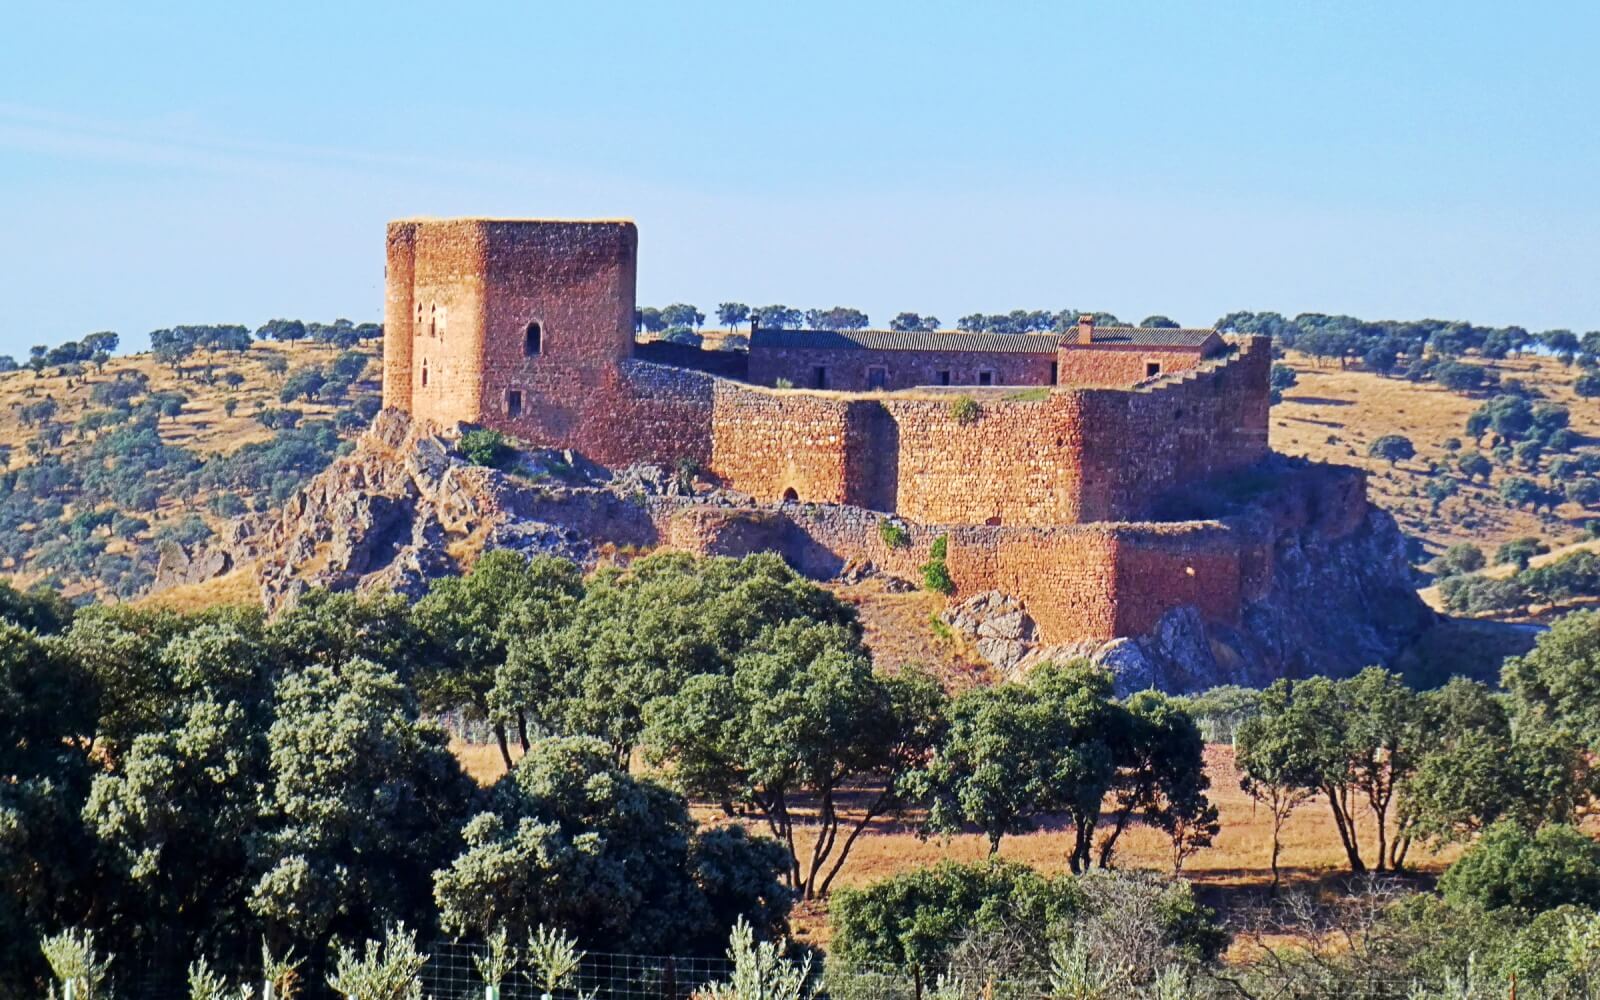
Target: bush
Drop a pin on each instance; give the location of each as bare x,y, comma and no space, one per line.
893,534
484,447
916,918
1509,867
935,573
964,410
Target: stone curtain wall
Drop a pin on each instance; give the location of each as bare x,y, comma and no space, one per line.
1137,445
1118,365
847,368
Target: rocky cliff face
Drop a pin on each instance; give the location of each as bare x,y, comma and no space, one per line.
404,508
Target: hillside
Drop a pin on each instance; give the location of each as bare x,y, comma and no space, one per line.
1334,414
103,464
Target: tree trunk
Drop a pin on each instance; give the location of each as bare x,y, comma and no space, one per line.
1346,827
505,747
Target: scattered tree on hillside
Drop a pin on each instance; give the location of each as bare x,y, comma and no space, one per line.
1392,448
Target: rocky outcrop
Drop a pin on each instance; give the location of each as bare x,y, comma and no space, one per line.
388,514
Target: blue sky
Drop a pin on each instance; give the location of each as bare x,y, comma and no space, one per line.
166,163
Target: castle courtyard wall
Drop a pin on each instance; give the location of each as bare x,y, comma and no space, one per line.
847,369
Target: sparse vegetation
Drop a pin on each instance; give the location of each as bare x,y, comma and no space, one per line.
935,572
482,446
893,533
964,410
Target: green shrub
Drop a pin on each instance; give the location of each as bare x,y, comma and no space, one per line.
1510,867
893,534
935,573
964,410
917,917
482,446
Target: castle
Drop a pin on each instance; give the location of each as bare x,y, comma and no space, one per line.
1041,460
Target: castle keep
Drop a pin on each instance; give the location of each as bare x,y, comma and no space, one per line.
1045,488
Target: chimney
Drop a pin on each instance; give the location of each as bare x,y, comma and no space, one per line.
1086,328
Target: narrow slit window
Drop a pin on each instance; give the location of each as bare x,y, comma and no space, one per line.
1055,372
514,403
533,340
424,374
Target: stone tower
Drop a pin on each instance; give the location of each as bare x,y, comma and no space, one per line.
508,323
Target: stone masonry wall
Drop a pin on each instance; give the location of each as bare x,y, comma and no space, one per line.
1119,366
847,368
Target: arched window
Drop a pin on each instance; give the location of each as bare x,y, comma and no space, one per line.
533,339
424,374
433,321
790,496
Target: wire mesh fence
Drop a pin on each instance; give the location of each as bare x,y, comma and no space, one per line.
452,973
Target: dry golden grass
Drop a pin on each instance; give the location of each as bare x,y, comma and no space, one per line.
237,587
1335,414
901,631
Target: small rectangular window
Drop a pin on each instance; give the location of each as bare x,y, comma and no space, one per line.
877,378
819,377
986,378
1152,369
944,377
514,403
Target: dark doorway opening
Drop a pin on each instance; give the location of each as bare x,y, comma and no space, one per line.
877,378
819,377
514,403
790,496
944,377
533,340
986,378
